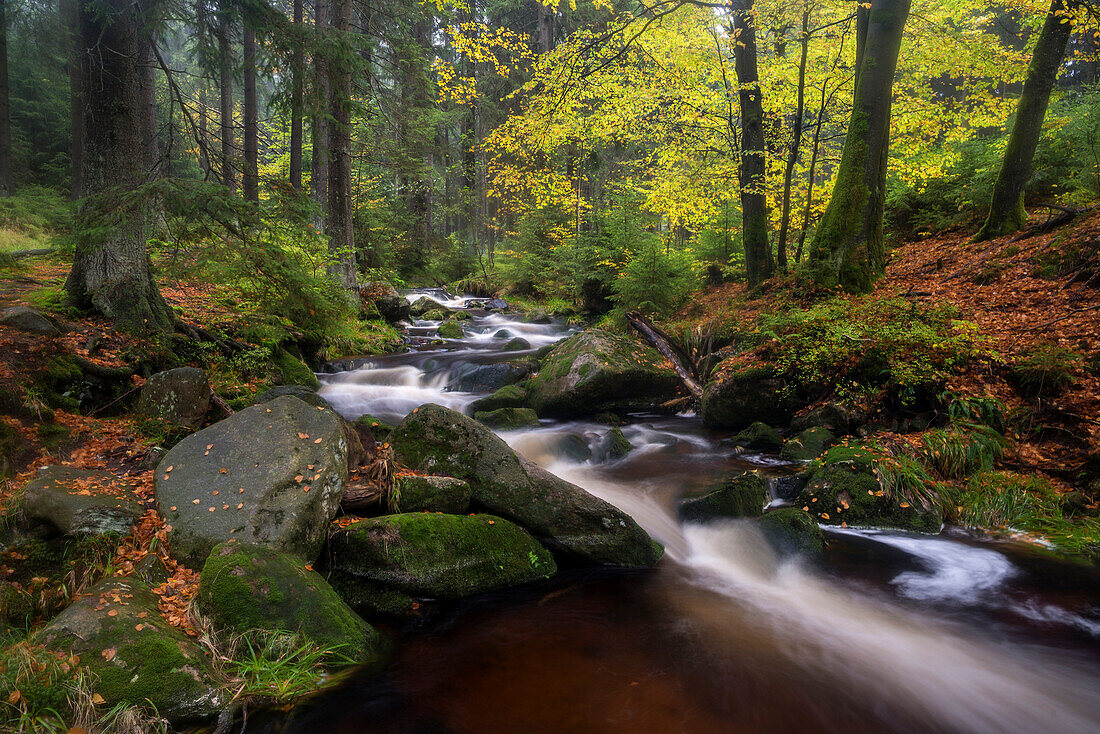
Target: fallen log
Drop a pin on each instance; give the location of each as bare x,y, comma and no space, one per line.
361,497
663,344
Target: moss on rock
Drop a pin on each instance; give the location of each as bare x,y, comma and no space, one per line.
506,418
791,530
440,556
739,496
450,330
837,494
759,437
809,444
413,493
509,396
293,371
244,587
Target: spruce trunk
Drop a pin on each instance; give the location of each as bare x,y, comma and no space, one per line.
340,224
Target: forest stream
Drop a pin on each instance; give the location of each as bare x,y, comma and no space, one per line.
889,631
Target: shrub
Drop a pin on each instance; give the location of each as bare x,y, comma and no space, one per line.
962,449
1047,370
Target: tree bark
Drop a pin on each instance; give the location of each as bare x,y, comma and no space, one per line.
1006,210
340,227
6,184
796,144
297,102
70,21
848,248
319,164
250,179
759,262
111,271
225,68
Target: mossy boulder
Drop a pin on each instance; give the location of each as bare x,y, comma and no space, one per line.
180,397
506,418
809,444
568,520
740,395
613,445
460,316
121,638
413,493
293,371
739,496
835,416
487,377
387,301
450,330
792,531
79,502
29,320
423,305
436,314
509,396
244,587
839,494
439,556
759,437
271,474
516,344
595,372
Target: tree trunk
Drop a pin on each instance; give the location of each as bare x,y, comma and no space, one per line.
71,22
6,184
319,164
545,21
339,227
111,270
796,144
848,248
204,137
754,203
148,87
250,179
297,104
1006,210
225,64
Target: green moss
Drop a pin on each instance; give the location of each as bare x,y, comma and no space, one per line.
292,371
51,434
61,383
838,494
509,396
740,496
378,428
759,437
245,587
809,444
450,330
508,418
791,530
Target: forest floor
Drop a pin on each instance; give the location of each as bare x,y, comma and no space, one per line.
1027,295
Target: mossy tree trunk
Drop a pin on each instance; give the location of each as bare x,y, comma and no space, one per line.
297,101
1006,209
759,262
111,270
848,248
250,178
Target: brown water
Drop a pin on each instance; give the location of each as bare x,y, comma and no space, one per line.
890,632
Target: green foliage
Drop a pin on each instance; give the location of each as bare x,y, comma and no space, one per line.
35,689
865,348
30,218
162,433
1029,504
1047,370
656,279
983,410
962,449
278,666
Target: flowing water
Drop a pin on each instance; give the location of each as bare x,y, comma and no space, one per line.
888,632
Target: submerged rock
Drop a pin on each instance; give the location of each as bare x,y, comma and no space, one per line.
80,502
614,445
431,494
790,530
595,372
516,344
740,496
759,437
435,440
742,395
271,474
507,418
245,587
180,397
509,396
439,556
134,656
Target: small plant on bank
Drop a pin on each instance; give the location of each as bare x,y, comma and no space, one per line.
278,666
1047,370
962,448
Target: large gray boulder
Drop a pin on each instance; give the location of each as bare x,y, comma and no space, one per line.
271,475
27,319
740,496
423,305
568,520
180,396
134,656
413,493
596,372
81,502
245,587
439,556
